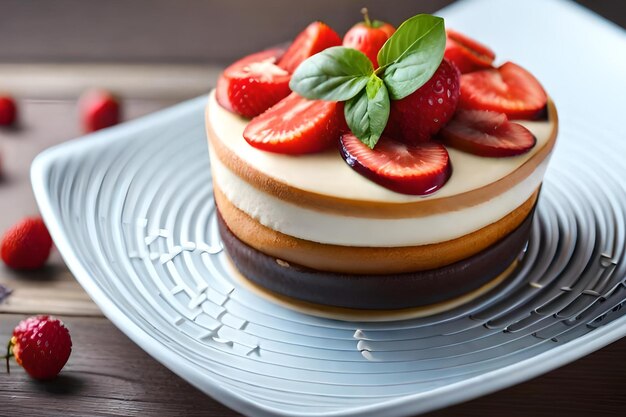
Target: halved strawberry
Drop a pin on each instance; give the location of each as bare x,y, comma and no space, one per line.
409,169
296,126
487,133
467,54
509,89
253,84
315,38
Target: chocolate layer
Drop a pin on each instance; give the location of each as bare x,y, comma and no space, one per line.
375,292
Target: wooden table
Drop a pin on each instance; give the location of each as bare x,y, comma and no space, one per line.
107,374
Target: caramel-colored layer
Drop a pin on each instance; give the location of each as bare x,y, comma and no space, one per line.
366,260
358,208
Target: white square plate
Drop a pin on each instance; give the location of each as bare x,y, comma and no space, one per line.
131,211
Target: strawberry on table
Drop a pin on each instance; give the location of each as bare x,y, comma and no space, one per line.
423,113
26,245
509,89
487,133
8,110
296,126
41,345
417,169
467,54
368,36
99,109
315,38
253,84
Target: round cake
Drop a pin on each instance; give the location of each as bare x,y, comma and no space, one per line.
312,227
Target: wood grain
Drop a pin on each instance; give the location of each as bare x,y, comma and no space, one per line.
186,31
140,81
52,290
190,31
43,124
107,374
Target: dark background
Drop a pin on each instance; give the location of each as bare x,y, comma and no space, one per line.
187,31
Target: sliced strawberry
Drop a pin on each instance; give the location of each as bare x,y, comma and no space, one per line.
409,169
509,89
423,113
467,54
487,133
253,84
315,38
296,126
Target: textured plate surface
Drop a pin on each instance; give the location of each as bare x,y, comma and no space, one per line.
131,210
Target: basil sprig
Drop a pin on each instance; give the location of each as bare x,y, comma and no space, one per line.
406,61
368,111
335,74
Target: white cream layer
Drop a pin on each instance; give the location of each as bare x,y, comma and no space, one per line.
327,174
337,229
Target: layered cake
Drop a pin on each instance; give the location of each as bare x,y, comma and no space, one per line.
387,170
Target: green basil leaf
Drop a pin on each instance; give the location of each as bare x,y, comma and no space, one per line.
410,36
412,54
407,75
335,74
367,113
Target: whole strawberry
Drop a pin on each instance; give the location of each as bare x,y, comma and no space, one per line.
99,109
41,345
8,110
26,245
417,117
368,36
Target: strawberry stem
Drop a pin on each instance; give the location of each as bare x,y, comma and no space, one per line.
366,17
9,354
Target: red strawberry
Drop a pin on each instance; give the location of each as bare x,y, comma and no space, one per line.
296,126
388,28
26,245
509,89
368,37
41,345
467,54
253,84
99,109
420,115
315,38
8,110
417,169
487,133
